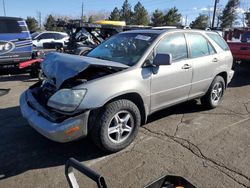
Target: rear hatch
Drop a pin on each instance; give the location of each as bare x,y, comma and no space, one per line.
15,41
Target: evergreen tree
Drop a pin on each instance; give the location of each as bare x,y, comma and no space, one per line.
140,16
115,14
49,23
157,18
84,18
32,24
201,22
91,19
229,13
126,12
172,18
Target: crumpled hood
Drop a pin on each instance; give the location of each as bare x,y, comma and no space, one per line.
60,67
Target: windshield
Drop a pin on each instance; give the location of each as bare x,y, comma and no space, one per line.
34,35
125,48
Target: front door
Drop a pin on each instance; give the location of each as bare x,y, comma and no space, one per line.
171,84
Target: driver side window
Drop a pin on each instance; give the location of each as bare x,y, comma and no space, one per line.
174,44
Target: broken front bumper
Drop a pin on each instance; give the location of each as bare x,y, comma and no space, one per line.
68,130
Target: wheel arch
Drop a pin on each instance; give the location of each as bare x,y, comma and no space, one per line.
133,96
224,76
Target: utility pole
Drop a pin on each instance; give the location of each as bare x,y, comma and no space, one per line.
215,7
4,11
218,21
218,14
82,11
243,20
39,17
209,16
186,20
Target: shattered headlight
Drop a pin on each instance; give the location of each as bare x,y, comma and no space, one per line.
67,99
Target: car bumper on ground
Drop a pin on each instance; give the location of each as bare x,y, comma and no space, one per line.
68,130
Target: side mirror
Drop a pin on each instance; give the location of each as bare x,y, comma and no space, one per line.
162,59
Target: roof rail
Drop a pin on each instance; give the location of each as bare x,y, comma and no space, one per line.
164,27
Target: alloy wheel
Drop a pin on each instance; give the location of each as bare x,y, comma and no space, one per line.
217,92
120,127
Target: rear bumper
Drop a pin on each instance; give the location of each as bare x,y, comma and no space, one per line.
15,59
68,130
230,76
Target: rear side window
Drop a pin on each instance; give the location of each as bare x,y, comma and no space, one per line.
219,40
199,45
46,36
9,26
58,36
174,44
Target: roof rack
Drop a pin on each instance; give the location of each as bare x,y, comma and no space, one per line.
164,27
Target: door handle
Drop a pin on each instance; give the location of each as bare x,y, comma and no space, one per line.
186,66
215,60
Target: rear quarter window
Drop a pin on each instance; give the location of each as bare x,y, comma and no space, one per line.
58,36
219,41
9,26
199,45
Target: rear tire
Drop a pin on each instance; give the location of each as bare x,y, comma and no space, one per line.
34,73
214,94
40,75
116,126
37,73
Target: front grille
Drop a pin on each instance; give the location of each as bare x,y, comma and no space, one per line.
43,92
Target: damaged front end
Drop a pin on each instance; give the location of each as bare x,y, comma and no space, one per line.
64,72
52,106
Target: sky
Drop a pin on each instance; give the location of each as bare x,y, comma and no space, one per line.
24,8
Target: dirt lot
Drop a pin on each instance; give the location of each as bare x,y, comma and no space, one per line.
209,148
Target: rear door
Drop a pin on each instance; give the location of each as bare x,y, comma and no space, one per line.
204,60
45,38
171,84
15,41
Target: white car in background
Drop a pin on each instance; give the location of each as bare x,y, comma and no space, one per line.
39,39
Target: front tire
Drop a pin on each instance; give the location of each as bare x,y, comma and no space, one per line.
214,94
116,126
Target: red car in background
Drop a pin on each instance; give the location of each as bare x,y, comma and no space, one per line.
241,49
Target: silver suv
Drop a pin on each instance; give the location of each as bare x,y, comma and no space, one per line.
110,92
